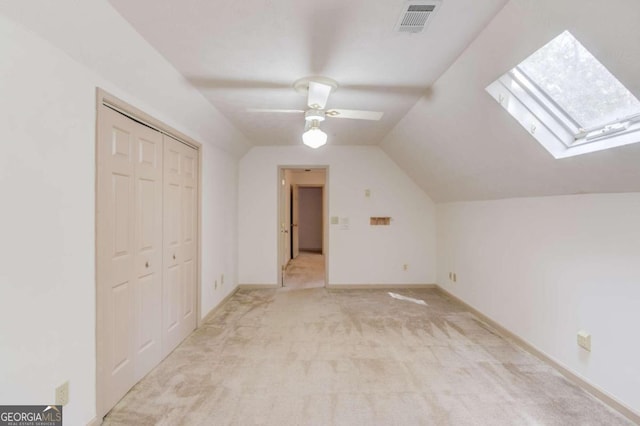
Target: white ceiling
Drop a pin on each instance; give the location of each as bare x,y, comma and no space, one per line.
247,54
455,142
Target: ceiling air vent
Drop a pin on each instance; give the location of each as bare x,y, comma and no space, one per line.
416,15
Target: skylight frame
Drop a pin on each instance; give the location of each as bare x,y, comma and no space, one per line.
546,101
551,125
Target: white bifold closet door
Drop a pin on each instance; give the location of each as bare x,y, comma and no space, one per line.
129,252
180,233
147,247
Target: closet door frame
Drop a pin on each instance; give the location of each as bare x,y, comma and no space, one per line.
103,98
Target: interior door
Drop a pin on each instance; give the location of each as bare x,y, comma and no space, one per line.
294,221
129,253
180,242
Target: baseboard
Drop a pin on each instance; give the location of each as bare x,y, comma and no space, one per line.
379,286
94,422
566,372
218,306
257,286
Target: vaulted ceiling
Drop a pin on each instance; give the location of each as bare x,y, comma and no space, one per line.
439,123
247,54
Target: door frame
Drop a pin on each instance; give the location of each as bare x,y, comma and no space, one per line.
289,219
105,99
283,193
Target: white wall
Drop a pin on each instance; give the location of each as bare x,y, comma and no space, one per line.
105,43
219,228
360,255
47,176
545,268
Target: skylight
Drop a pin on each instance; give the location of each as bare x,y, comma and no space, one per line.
568,100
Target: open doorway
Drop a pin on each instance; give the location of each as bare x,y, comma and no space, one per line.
302,201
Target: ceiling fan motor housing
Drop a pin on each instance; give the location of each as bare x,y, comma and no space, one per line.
302,85
314,114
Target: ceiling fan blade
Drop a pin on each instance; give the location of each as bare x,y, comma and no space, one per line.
355,114
275,110
318,95
203,82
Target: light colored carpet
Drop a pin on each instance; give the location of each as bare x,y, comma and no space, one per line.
353,357
305,271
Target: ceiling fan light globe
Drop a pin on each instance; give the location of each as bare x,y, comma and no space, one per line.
314,138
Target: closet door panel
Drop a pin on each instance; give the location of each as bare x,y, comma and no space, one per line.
116,256
188,296
180,235
173,271
174,288
190,238
173,230
148,243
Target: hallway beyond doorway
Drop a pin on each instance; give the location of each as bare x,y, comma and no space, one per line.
303,226
305,271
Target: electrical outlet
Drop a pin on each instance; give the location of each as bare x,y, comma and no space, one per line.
62,394
405,267
584,340
450,276
455,278
215,285
221,279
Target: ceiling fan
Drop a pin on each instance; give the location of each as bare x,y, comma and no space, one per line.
318,90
